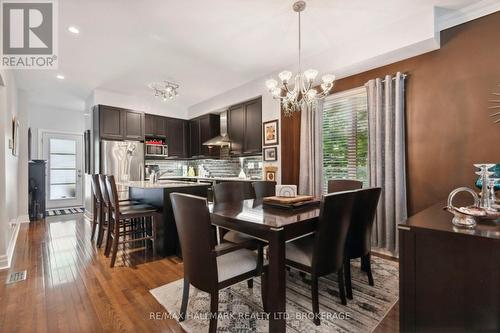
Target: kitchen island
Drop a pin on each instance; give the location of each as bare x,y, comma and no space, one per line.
158,195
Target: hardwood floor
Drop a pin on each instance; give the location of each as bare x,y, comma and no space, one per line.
71,288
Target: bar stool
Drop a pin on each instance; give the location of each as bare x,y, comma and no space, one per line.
98,216
134,218
106,210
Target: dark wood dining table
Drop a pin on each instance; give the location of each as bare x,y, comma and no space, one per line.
275,226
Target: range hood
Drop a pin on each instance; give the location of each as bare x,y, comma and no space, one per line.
223,138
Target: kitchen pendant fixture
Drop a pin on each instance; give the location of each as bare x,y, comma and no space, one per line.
165,90
299,93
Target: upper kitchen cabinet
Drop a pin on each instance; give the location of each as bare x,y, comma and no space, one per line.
133,125
177,137
245,127
155,126
110,122
202,129
120,124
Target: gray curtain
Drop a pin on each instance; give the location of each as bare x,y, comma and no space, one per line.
386,150
311,151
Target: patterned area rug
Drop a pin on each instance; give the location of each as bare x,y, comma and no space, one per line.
241,308
67,211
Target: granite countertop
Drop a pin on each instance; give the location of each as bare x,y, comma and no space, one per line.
161,184
211,178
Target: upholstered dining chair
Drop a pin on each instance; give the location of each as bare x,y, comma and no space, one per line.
323,252
126,222
339,185
228,192
264,188
207,266
358,243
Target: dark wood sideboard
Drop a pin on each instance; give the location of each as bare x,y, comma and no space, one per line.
449,278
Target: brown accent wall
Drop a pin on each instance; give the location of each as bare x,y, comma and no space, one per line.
448,127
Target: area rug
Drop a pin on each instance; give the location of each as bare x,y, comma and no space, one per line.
240,308
66,211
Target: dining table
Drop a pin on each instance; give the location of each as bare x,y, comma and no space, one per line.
275,226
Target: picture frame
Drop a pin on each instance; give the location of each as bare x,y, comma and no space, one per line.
270,173
270,154
270,133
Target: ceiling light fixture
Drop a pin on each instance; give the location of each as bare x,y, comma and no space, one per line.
165,90
73,29
60,77
302,94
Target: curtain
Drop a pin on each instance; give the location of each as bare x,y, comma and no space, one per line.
311,150
386,151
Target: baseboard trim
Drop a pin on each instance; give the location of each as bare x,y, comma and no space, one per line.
23,219
6,259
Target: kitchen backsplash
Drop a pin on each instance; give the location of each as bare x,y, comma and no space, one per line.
229,167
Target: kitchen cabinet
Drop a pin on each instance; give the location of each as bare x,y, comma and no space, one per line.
245,128
177,137
156,126
133,125
202,129
120,124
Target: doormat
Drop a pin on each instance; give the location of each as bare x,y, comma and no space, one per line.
66,211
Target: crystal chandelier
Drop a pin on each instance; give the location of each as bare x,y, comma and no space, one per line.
165,90
298,93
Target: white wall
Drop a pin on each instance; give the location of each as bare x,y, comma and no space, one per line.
10,188
49,118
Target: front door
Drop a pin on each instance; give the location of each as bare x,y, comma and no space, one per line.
63,153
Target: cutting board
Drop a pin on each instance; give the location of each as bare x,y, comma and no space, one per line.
288,200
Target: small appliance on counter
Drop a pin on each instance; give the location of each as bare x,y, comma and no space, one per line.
156,148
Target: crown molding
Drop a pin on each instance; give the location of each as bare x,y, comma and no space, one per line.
467,13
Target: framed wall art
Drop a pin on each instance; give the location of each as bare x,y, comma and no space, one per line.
270,132
271,154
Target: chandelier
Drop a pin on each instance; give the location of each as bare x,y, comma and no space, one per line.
298,93
165,90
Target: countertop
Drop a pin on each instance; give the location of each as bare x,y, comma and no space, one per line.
161,184
237,179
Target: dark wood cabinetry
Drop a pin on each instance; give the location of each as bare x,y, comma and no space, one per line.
120,124
177,137
156,126
448,277
202,129
245,128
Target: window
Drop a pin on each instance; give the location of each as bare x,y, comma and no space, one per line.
345,136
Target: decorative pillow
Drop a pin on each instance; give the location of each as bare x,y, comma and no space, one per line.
288,191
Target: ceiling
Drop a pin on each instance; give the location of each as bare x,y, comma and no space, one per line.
208,47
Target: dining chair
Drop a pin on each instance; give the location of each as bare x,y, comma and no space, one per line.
358,243
125,222
339,185
228,192
323,252
264,189
207,266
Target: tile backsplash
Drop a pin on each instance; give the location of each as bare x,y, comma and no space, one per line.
228,167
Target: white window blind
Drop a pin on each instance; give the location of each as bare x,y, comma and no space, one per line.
345,136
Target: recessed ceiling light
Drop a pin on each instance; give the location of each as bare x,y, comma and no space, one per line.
60,77
73,29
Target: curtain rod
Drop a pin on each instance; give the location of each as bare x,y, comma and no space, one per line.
404,75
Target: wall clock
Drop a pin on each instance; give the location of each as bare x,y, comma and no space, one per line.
495,108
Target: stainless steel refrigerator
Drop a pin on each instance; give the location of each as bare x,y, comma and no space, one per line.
124,160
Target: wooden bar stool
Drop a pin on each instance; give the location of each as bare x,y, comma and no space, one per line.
98,216
106,209
128,221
